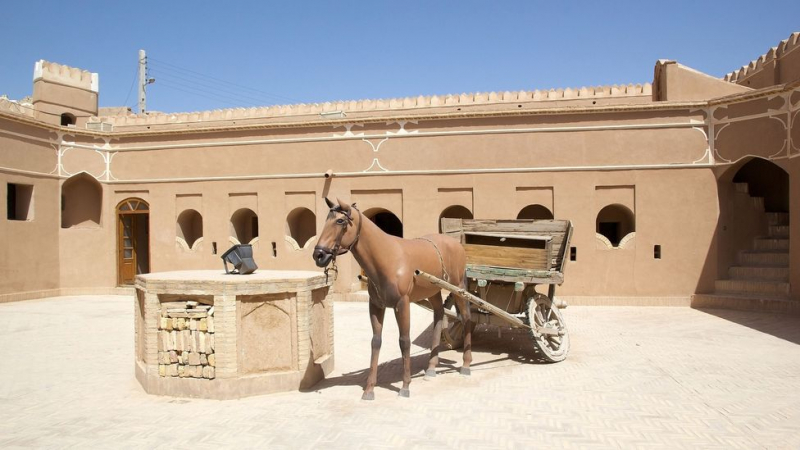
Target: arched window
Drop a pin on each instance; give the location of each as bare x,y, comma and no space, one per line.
244,225
81,202
535,212
615,222
454,212
67,119
386,221
189,227
301,225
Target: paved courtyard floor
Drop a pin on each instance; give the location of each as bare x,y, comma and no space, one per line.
635,378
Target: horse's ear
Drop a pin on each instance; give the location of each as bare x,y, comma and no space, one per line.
344,206
328,202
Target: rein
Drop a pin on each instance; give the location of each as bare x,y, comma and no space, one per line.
337,247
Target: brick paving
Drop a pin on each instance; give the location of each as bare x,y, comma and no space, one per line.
635,377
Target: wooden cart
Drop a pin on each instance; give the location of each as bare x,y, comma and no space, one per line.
506,260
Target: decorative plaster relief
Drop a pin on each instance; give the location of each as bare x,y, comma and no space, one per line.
376,165
764,137
348,132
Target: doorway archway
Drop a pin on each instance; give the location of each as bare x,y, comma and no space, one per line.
133,239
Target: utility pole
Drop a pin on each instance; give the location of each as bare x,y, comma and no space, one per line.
143,82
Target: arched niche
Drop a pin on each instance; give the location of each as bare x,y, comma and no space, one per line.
301,225
81,202
189,227
535,212
454,212
385,220
614,222
244,225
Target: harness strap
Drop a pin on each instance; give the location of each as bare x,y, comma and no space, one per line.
445,275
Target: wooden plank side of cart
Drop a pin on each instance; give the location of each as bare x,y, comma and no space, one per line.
513,250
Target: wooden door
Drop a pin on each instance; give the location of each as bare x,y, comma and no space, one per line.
127,251
133,244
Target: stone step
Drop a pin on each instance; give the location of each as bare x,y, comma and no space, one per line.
764,259
758,203
757,288
742,188
759,273
779,231
778,218
746,303
769,244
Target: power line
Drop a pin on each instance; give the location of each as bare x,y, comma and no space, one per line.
133,83
205,87
219,80
202,94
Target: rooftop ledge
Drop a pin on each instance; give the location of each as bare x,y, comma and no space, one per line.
421,105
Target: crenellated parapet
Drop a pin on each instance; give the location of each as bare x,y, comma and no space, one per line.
487,99
66,75
22,108
766,60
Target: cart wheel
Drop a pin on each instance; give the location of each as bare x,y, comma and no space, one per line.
453,333
543,314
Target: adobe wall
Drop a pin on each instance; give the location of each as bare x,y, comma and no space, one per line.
29,256
780,65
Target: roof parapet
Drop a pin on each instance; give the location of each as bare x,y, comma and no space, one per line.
433,101
778,51
15,107
70,76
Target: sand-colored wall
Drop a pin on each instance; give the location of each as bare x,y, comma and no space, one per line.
29,254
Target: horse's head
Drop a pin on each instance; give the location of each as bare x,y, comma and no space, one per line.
339,234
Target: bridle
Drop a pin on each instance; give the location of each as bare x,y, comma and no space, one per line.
337,246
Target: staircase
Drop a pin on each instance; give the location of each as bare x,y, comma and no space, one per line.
760,279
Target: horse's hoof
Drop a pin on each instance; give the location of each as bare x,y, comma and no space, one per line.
404,393
465,371
368,396
430,373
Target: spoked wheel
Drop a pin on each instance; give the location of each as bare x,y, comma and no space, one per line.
453,333
548,330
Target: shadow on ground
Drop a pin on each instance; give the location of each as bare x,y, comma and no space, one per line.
491,350
784,327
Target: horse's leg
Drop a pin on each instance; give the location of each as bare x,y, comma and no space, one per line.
403,315
376,317
463,307
438,314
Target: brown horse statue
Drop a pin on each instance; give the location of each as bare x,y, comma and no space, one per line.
389,263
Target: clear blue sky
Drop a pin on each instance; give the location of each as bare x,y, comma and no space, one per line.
303,51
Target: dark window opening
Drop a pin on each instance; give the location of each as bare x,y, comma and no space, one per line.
615,222
387,222
19,202
573,253
611,231
657,251
67,119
